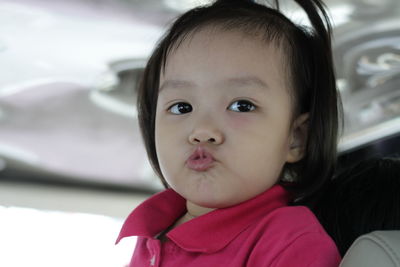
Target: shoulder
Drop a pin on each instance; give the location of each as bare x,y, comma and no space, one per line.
311,249
292,236
292,222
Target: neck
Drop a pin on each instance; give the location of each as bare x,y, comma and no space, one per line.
194,210
190,216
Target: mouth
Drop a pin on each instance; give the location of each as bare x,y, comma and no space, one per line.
200,160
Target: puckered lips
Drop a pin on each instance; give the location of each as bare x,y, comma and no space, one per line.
201,160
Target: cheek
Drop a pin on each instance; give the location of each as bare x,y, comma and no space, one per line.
168,139
163,149
259,143
237,121
170,130
161,138
249,129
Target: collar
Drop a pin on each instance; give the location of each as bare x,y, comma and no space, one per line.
208,233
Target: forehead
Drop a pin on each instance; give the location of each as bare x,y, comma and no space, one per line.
215,40
226,54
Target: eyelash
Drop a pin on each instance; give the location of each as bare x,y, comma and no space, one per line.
245,102
188,108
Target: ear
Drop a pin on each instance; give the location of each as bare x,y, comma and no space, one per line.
298,139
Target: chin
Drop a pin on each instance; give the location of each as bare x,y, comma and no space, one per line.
212,203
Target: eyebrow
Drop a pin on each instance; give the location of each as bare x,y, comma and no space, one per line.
231,82
176,84
247,80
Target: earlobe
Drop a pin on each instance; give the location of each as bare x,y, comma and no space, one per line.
298,139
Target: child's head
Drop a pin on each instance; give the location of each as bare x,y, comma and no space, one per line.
239,84
361,199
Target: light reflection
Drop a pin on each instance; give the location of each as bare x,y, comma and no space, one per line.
62,44
340,14
33,237
17,87
367,135
20,154
183,5
113,105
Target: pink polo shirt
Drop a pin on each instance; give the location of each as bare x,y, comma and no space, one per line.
262,231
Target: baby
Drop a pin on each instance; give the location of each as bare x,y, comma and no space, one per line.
238,111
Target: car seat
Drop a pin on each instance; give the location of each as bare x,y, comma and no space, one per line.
376,249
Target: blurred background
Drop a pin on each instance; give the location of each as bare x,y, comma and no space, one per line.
72,163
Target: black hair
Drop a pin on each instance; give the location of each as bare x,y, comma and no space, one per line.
361,199
310,74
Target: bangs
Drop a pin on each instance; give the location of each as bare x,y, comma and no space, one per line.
266,24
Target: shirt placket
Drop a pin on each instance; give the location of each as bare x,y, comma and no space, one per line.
154,248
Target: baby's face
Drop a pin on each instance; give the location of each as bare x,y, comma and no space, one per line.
223,118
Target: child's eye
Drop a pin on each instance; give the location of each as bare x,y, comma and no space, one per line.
242,106
180,108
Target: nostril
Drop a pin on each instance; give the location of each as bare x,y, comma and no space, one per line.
210,140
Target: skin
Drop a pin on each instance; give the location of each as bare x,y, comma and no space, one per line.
208,73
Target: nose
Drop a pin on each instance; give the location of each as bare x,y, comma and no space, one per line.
206,134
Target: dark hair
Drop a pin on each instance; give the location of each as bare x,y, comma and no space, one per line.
310,72
361,199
